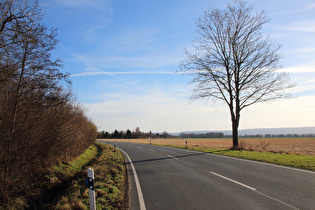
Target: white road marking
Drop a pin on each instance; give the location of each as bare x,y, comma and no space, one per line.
231,180
246,160
236,182
275,199
139,191
172,157
254,189
152,150
142,206
263,163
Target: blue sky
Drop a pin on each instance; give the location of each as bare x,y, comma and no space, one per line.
122,55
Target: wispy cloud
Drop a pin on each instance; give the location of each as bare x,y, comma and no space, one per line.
303,89
96,4
302,50
104,60
118,73
302,26
84,18
305,8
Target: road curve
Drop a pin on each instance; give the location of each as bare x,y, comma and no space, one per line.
171,178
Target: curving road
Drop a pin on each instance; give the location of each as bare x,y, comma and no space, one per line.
169,178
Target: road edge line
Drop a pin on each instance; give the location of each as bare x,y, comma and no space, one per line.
139,191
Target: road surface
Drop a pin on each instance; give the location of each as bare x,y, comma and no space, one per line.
170,178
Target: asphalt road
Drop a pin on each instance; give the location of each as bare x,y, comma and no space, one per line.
169,178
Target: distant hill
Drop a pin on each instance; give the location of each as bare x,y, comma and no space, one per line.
262,131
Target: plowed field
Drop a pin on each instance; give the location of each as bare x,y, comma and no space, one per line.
302,146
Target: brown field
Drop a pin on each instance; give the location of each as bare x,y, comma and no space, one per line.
302,146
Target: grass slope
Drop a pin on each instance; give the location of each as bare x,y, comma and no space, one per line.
67,182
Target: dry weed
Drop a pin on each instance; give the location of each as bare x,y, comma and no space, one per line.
242,145
66,206
85,194
263,145
78,206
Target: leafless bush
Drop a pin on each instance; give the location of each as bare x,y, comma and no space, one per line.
242,145
263,145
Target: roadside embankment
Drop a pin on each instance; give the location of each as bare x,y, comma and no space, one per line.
64,187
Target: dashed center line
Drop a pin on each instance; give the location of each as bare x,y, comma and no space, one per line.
236,182
140,195
172,157
231,180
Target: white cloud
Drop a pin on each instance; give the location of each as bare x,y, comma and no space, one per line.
156,111
164,113
310,6
295,112
298,69
302,76
302,88
303,50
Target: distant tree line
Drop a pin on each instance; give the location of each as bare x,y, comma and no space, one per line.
40,122
202,135
128,134
277,136
137,134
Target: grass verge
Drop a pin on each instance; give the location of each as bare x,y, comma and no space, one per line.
298,161
66,183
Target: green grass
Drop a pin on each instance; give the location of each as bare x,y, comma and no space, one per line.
298,161
79,163
66,183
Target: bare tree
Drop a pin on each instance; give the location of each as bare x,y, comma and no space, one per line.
26,44
40,123
234,62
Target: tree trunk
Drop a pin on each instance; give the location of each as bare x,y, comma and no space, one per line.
235,118
13,123
235,134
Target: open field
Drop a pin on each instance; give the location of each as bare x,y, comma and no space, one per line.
302,146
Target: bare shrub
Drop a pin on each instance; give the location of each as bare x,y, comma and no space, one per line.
242,145
263,145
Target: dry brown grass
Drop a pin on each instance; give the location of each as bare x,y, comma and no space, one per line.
302,146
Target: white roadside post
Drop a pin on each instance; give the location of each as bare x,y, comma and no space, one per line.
185,142
90,184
